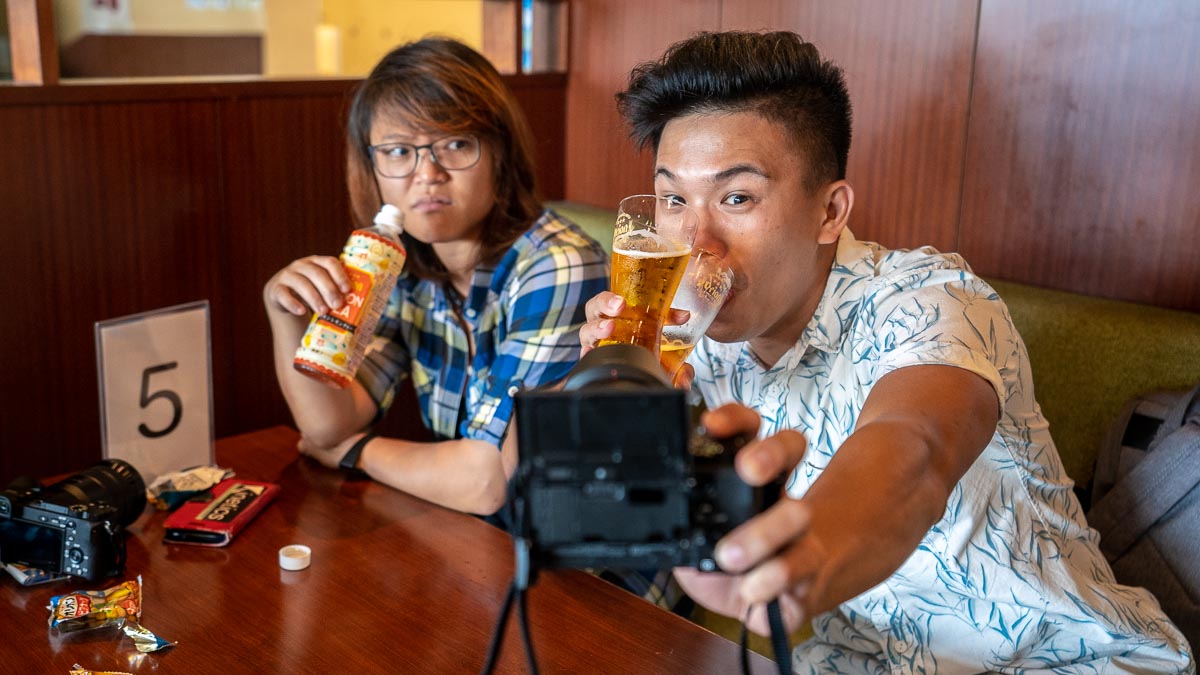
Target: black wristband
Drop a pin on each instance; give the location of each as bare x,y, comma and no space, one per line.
349,461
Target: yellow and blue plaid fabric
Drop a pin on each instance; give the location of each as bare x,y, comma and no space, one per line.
524,314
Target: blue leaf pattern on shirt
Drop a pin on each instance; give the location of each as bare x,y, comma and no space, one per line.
1011,578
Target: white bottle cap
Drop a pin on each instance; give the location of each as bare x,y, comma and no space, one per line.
295,557
390,216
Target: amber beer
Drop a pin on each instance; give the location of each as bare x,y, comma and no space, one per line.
646,270
673,354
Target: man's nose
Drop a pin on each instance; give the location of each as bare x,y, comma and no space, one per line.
708,232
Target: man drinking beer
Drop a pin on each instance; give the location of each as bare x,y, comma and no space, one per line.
929,524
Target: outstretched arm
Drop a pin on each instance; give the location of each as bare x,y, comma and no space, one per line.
920,429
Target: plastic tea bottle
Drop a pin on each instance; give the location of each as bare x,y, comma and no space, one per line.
335,342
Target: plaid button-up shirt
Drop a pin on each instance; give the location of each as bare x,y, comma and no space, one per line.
524,315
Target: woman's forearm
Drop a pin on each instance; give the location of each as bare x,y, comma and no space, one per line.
323,414
464,475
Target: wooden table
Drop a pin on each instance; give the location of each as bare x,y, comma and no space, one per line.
396,585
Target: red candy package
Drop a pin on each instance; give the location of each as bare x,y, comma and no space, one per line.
217,518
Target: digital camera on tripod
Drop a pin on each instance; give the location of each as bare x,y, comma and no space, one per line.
614,471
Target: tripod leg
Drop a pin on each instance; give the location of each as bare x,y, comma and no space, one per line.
498,634
523,615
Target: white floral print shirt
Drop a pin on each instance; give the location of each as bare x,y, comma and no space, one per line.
1011,578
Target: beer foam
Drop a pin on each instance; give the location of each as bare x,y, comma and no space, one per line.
646,244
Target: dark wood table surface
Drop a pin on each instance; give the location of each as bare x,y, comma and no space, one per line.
396,585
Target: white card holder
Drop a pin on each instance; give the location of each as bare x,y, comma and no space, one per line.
155,378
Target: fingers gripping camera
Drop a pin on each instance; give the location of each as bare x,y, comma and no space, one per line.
612,473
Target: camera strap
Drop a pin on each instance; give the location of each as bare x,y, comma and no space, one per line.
779,641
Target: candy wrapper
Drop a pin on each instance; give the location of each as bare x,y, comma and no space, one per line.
170,490
81,610
80,670
144,640
28,576
120,605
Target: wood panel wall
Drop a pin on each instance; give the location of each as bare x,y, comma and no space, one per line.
93,55
126,198
1083,159
1054,144
608,39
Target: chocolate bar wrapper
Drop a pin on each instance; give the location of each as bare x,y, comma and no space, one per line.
216,521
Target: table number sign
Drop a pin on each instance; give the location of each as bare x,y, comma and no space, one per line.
155,376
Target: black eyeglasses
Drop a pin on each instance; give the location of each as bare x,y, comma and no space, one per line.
399,160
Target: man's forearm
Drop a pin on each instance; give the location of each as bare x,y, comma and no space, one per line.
889,483
870,509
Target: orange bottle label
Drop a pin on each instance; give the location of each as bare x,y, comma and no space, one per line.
347,318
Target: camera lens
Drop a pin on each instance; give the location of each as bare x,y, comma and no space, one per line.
112,481
616,367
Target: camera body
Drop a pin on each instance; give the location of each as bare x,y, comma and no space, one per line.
613,474
76,526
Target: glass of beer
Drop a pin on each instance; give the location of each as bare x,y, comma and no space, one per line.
706,283
651,244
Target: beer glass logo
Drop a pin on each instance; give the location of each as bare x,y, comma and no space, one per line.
624,225
713,287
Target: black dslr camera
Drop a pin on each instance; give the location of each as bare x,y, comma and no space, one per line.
76,526
613,474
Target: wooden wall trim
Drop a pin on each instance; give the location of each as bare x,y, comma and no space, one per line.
32,42
167,89
178,88
155,55
502,39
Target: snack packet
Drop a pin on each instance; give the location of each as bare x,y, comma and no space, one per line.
120,605
80,610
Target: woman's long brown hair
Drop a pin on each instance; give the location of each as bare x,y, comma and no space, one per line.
444,85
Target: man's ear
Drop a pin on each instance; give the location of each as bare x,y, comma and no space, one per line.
838,198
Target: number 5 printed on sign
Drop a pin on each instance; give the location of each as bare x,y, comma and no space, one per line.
155,375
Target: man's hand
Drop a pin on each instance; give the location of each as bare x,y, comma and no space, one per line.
773,555
601,312
328,457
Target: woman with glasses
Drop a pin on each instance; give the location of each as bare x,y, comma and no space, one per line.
491,297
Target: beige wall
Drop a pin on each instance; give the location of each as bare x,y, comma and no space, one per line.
177,17
347,37
289,43
165,17
371,28
301,37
